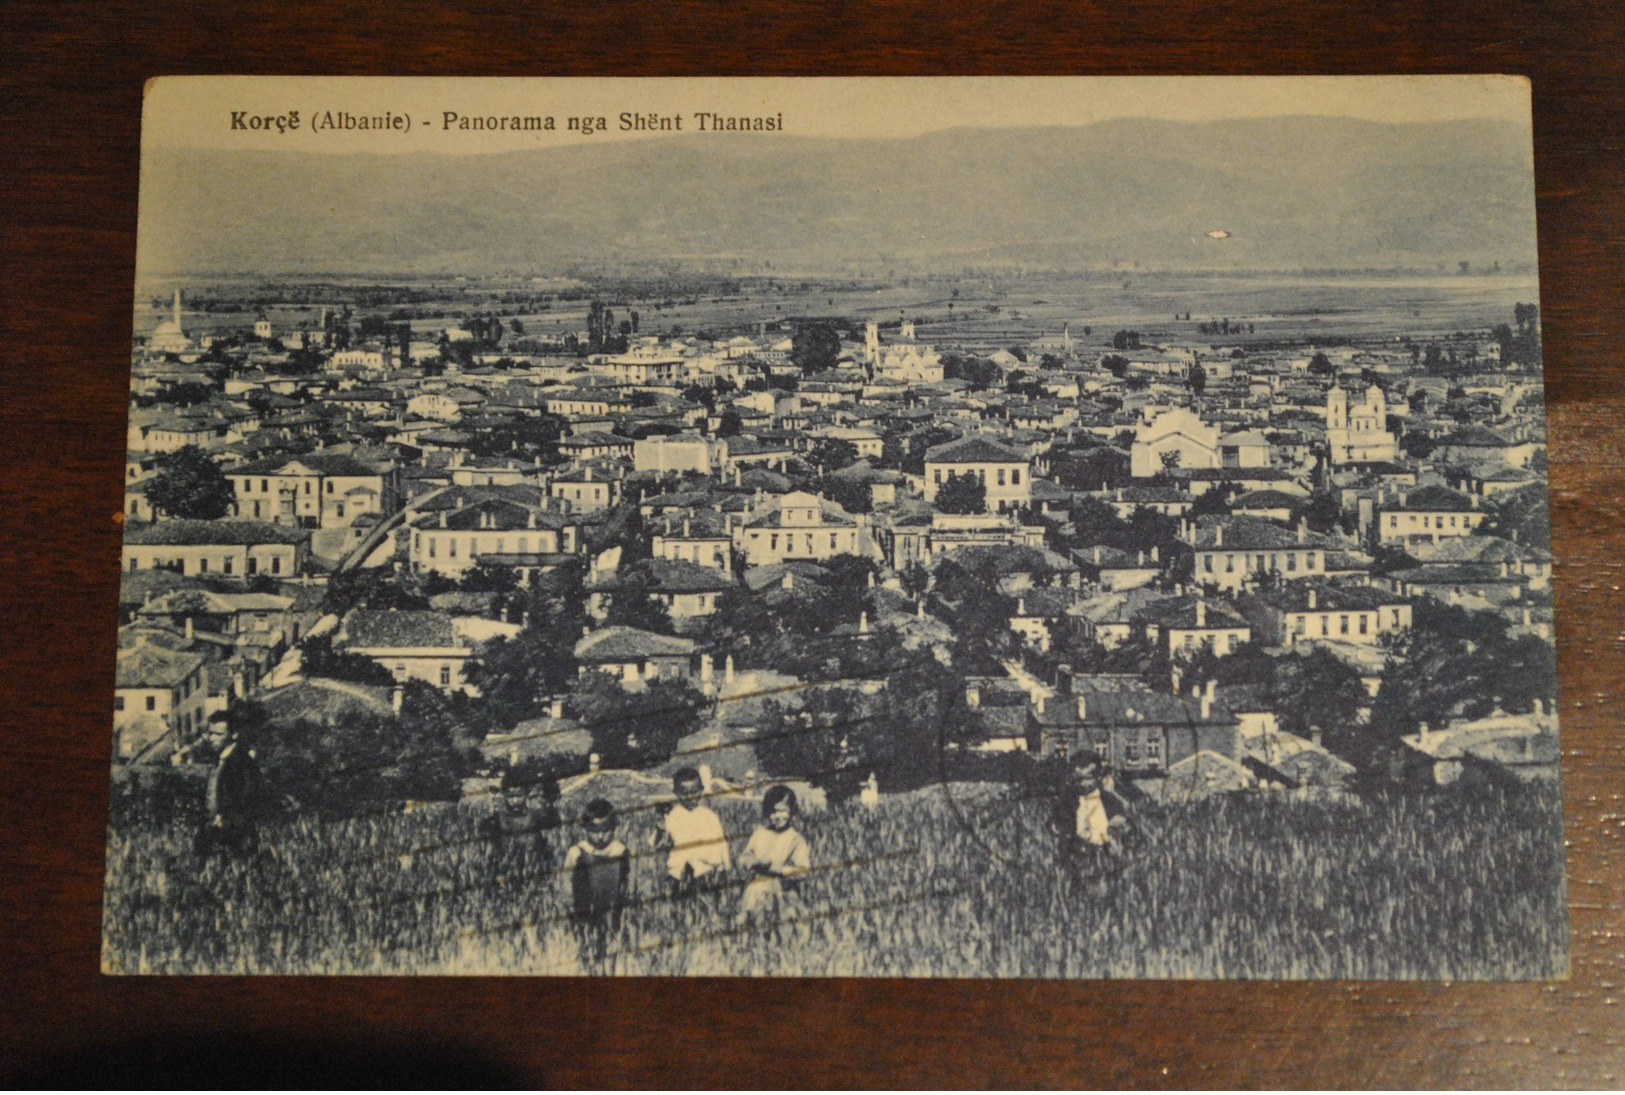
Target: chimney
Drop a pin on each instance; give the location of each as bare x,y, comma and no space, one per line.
1083,707
593,762
1021,610
1201,613
1311,598
1218,536
1212,687
442,518
555,707
973,695
1303,530
1207,709
188,628
1423,736
1140,558
863,625
396,695
1097,554
1314,736
1038,703
706,671
919,609
728,669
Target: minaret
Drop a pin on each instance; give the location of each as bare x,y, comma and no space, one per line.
871,343
177,316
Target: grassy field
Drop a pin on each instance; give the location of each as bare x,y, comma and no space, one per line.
950,881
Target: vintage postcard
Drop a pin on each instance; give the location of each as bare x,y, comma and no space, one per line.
1067,528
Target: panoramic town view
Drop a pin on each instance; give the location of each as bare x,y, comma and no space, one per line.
701,617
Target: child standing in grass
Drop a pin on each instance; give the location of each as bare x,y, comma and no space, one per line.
698,846
598,867
777,856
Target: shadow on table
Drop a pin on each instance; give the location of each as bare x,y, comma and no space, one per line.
192,1061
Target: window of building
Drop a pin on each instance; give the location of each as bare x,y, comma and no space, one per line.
445,676
1309,561
253,565
203,566
1364,625
1297,625
226,565
265,486
276,564
451,547
1131,753
1207,563
431,547
1001,477
1015,477
1229,564
152,703
329,486
118,703
1292,560
307,486
400,671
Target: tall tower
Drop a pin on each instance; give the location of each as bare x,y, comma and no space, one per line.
1337,409
908,330
871,343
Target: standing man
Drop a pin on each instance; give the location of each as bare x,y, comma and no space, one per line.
1087,818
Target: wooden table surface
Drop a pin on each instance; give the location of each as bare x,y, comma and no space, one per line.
72,94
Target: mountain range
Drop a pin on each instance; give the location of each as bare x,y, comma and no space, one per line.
1290,192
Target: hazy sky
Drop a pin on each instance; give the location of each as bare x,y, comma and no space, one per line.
197,111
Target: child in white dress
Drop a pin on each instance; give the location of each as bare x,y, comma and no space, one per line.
776,857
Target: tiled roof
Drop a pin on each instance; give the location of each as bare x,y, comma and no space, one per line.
372,628
226,531
148,666
973,450
628,643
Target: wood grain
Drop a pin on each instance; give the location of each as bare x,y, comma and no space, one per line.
72,93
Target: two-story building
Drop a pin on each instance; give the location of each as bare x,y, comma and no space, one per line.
1299,611
316,490
230,548
159,698
1230,552
803,526
1004,473
410,644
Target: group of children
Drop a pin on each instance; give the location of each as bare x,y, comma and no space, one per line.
697,855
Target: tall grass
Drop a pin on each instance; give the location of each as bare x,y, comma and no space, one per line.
958,880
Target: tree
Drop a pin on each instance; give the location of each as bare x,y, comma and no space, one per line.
815,347
1321,365
1197,379
1321,511
317,658
632,603
1126,340
1116,364
637,727
962,494
189,484
832,453
1416,445
1170,459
